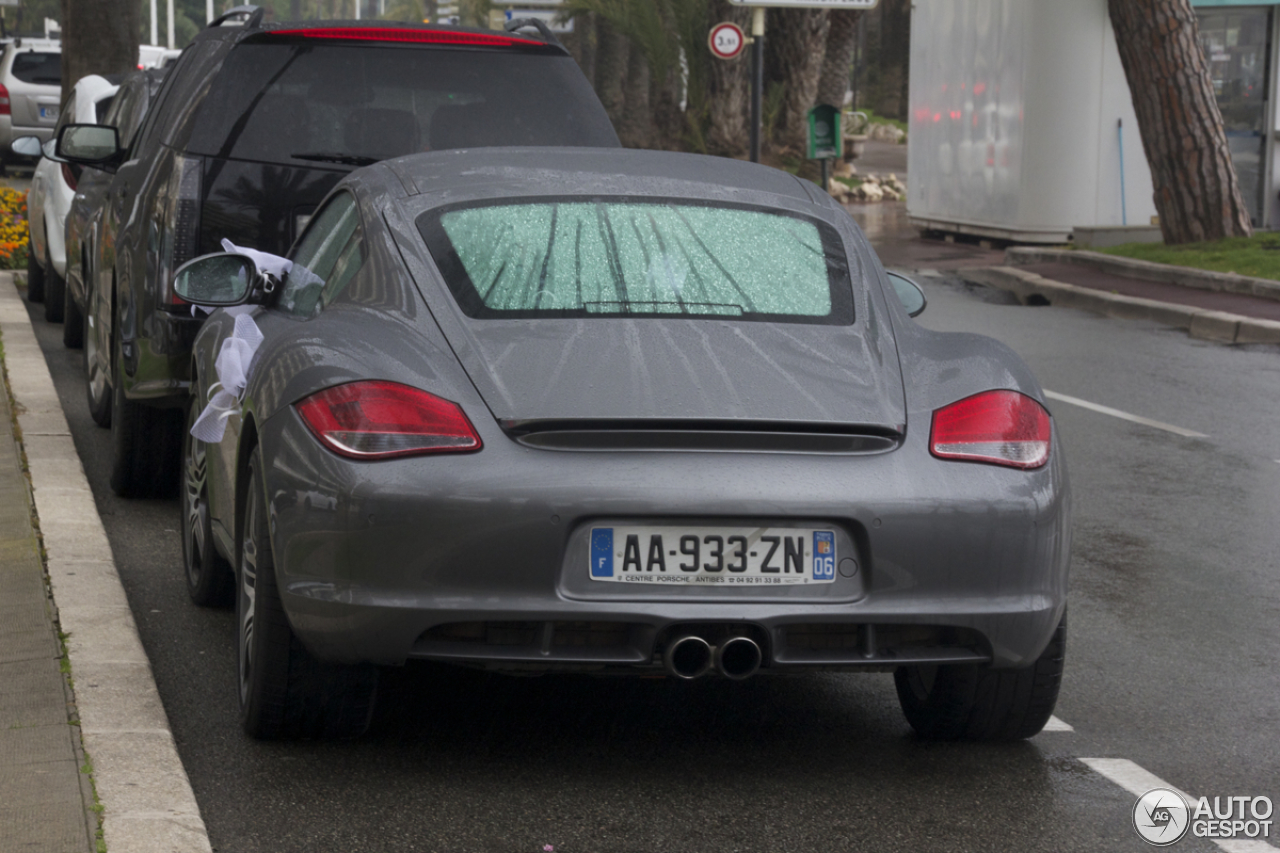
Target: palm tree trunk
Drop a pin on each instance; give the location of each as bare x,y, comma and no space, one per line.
1196,191
730,94
794,46
842,37
98,37
611,67
635,128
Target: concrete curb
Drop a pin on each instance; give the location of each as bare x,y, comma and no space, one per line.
148,804
1199,322
1264,288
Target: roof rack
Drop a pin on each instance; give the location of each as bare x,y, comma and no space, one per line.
538,24
251,14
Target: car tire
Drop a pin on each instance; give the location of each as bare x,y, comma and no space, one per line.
72,322
210,581
975,702
96,385
55,292
284,691
145,444
35,278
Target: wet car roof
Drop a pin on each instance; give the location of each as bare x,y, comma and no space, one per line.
442,177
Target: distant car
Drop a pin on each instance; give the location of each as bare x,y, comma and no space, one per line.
84,219
154,56
30,92
53,186
250,130
625,412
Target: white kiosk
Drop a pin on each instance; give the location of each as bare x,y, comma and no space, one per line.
1022,127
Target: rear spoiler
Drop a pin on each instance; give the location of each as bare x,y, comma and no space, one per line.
538,24
252,16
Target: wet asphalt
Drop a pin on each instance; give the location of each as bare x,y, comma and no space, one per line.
1173,662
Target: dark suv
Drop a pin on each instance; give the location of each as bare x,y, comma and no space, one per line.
251,129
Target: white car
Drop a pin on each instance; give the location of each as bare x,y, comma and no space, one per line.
155,56
30,89
52,187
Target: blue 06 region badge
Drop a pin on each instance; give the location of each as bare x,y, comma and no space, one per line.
1161,816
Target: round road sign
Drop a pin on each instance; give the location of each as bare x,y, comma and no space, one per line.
726,40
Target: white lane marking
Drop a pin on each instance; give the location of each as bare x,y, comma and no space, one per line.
1116,413
1138,781
1130,776
1056,725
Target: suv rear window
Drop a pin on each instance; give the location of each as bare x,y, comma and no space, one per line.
41,68
286,102
629,257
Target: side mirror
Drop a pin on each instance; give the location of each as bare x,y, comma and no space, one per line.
88,144
216,280
909,294
27,146
49,150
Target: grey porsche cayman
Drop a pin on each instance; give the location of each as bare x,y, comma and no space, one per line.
615,412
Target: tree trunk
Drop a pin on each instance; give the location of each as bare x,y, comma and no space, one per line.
730,96
98,37
842,38
1196,191
635,128
611,67
582,44
794,43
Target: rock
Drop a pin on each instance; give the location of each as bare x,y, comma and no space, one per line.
870,192
886,133
844,170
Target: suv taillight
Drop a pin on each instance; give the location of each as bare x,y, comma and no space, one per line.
5,107
184,222
382,420
997,427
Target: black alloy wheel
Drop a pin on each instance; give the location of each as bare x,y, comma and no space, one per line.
284,691
210,581
97,388
55,291
145,445
35,277
72,321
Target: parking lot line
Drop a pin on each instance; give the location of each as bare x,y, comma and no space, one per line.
1116,413
1056,725
1138,781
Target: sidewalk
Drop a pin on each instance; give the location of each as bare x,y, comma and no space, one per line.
45,800
1211,306
112,721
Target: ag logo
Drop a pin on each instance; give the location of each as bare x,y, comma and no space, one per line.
1161,817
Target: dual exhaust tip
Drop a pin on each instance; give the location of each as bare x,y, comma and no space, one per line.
690,656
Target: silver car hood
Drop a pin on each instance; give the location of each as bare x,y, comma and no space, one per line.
789,376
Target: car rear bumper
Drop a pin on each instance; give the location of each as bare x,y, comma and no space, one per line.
472,558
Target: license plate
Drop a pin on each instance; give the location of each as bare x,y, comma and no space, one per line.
48,112
702,556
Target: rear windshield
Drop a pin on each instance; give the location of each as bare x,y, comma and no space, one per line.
628,257
353,104
42,68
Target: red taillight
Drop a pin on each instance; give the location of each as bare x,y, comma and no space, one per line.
69,176
381,420
5,107
999,427
410,35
